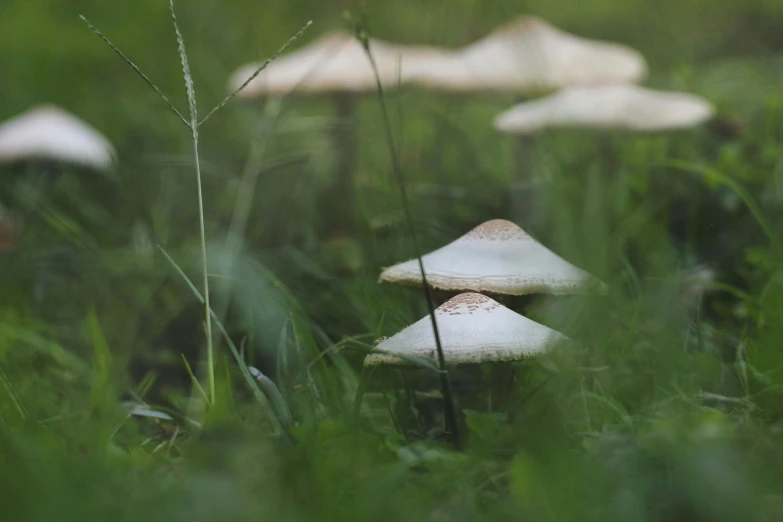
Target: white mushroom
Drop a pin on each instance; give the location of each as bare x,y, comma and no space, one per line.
498,257
627,107
530,55
50,133
473,329
336,62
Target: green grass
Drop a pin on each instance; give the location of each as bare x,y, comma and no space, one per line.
668,407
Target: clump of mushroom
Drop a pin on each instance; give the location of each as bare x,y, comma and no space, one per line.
499,257
473,329
529,57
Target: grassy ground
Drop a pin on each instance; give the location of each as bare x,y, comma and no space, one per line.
669,407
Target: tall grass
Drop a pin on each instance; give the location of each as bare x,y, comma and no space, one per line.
193,125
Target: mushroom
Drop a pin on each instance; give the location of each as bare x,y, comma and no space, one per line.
528,57
498,257
335,63
473,329
628,107
606,107
50,133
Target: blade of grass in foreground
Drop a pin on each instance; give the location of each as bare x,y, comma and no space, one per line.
451,417
191,94
193,124
280,424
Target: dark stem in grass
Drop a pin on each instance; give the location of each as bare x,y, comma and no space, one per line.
450,412
345,142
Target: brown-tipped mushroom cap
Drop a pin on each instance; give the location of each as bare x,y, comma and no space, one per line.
473,329
499,257
335,62
48,132
530,55
627,107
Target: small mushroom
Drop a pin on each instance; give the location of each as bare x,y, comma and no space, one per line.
335,64
473,329
49,133
498,257
628,107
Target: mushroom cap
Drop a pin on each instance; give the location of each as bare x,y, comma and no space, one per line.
530,55
335,62
609,106
48,132
473,329
499,257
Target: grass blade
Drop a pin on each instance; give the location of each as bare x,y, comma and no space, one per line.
718,177
135,68
191,94
257,72
274,394
14,396
451,417
257,393
194,380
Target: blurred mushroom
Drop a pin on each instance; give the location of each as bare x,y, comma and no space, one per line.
528,56
338,64
498,257
627,107
49,133
473,329
605,107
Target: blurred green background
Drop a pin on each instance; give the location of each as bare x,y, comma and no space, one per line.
669,407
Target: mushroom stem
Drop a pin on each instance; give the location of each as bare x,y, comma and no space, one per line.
9,230
343,188
520,161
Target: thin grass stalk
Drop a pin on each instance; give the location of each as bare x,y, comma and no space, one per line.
193,124
450,411
191,94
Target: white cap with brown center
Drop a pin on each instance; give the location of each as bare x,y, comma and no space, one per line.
498,257
627,107
530,55
473,329
335,62
48,132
